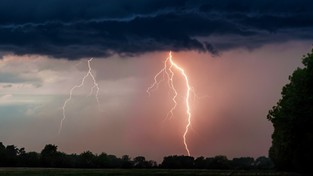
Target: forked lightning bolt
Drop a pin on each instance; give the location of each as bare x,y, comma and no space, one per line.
167,71
95,86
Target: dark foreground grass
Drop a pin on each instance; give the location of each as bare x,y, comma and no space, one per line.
132,172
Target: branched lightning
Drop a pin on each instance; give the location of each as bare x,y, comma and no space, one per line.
95,86
167,70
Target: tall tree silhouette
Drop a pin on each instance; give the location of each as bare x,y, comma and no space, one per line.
87,160
126,162
50,157
2,154
292,118
11,155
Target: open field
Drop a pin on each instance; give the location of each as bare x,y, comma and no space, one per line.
130,172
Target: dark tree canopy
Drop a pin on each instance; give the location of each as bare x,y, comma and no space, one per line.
292,118
11,156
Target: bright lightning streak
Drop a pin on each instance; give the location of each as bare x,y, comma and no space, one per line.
156,82
95,86
173,88
169,64
182,71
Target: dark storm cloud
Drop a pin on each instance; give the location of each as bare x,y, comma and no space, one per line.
77,28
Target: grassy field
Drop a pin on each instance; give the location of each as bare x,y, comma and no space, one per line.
131,172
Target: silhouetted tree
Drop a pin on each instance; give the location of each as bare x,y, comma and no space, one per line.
11,155
209,163
126,162
178,162
263,163
103,161
152,164
50,157
170,162
219,162
30,159
71,161
87,160
243,163
292,144
140,162
200,163
114,162
2,154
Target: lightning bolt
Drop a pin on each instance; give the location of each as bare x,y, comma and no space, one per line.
95,86
167,71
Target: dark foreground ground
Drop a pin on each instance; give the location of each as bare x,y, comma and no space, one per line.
131,172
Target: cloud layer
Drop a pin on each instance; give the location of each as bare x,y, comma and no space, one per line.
75,28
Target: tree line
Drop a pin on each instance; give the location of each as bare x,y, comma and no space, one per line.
11,156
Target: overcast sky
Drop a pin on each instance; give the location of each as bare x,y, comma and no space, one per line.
237,54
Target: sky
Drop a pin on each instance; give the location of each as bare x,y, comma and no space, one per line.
237,55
